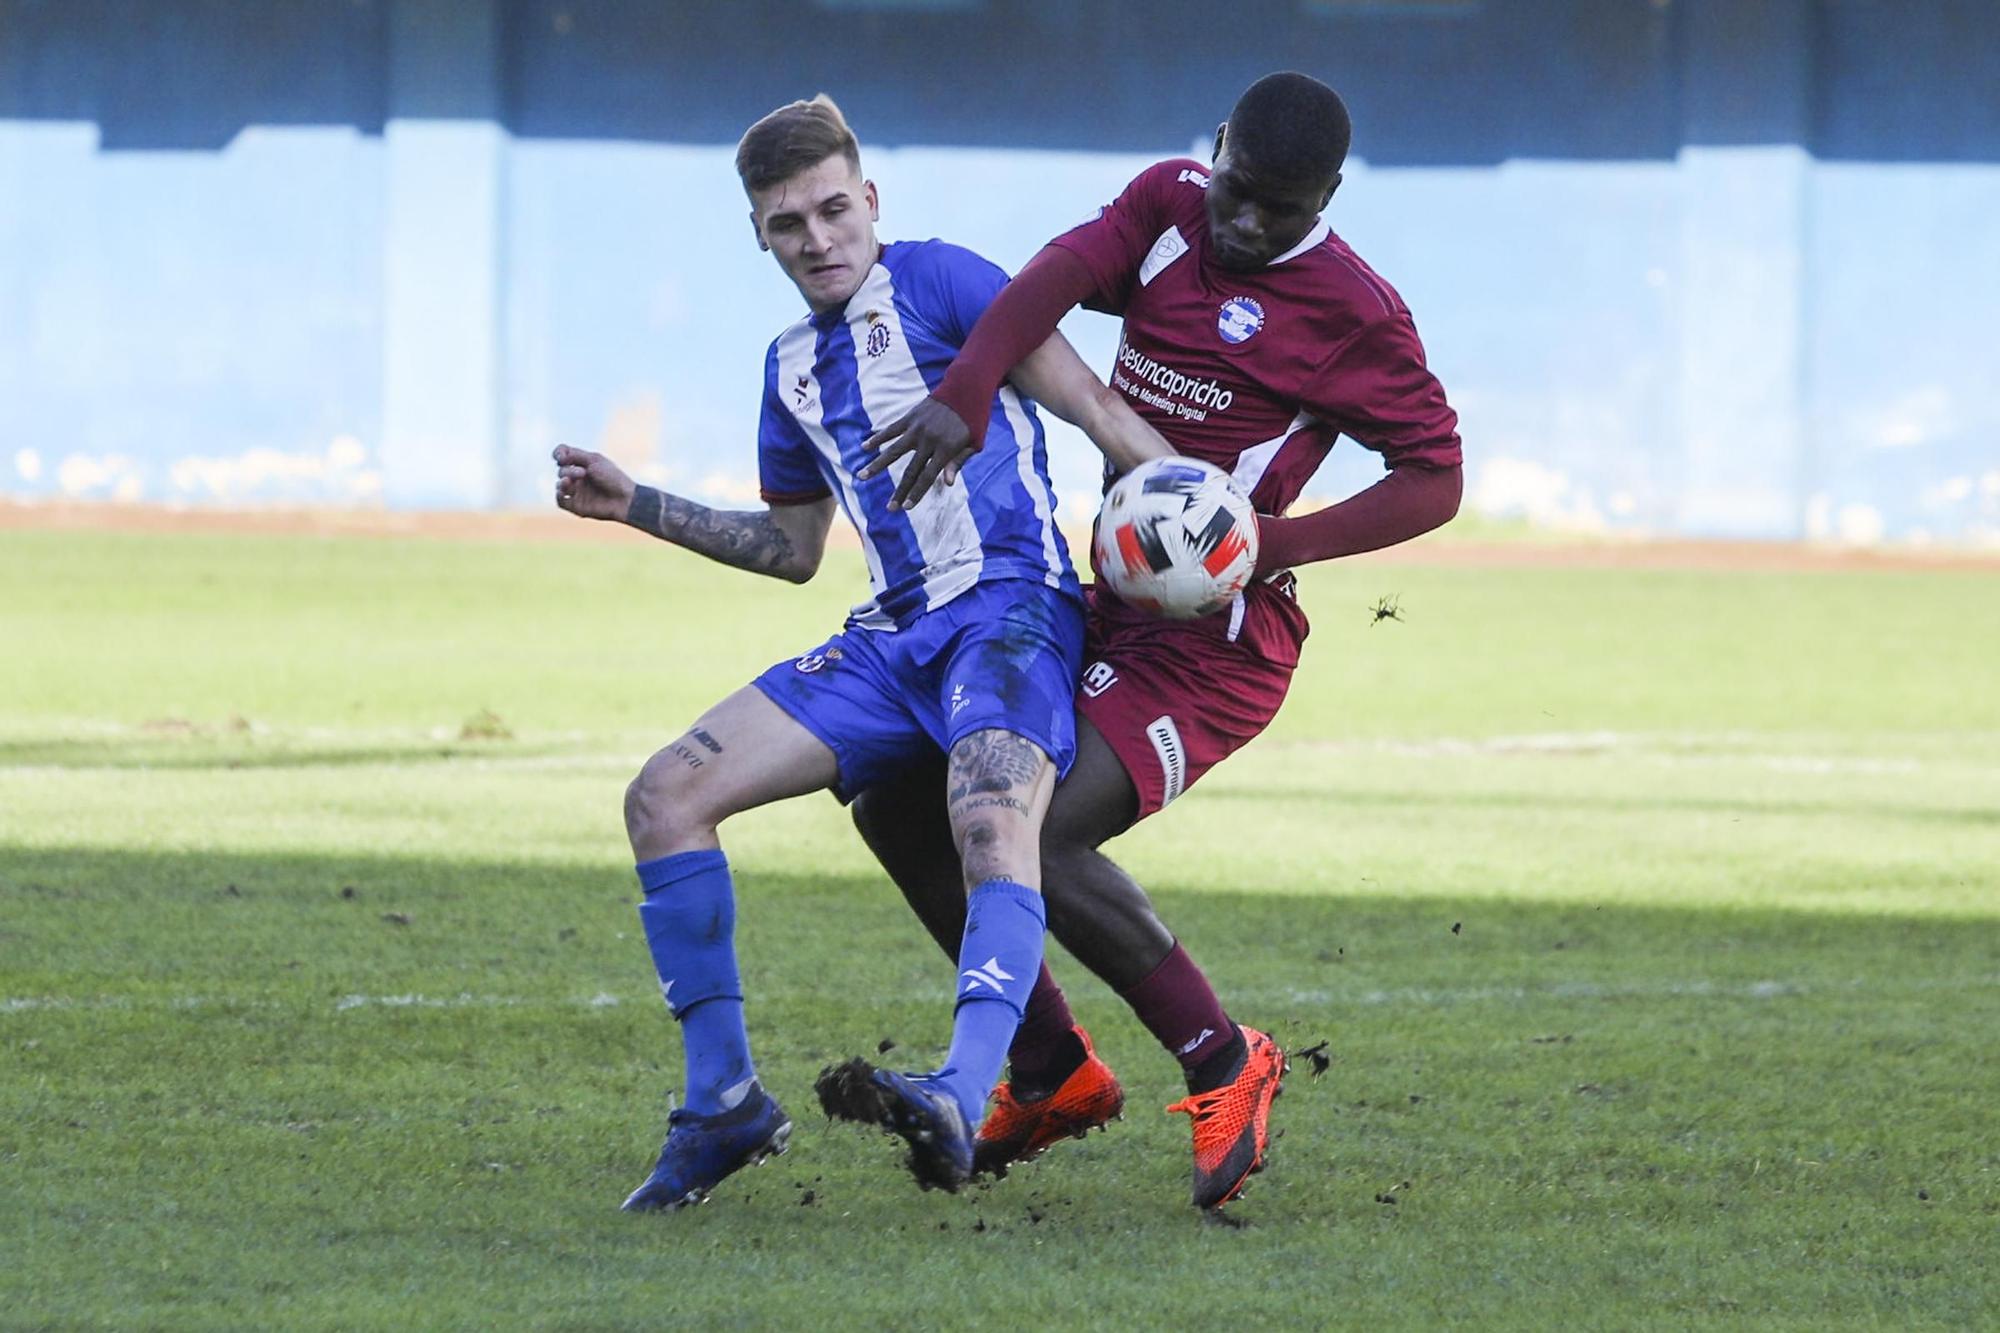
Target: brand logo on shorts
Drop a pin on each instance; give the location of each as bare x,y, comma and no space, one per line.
1239,319
1098,677
810,663
958,699
1166,739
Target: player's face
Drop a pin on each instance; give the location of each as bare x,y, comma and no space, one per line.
821,226
1255,217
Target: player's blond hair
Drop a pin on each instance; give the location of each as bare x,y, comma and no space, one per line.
794,138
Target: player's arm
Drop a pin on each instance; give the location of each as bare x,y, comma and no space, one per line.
943,429
1056,377
784,541
1377,389
1410,501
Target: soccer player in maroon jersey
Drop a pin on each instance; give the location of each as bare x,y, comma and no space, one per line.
1253,338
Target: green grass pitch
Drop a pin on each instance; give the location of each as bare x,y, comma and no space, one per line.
1652,920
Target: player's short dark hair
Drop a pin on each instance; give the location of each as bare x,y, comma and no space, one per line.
1292,126
794,138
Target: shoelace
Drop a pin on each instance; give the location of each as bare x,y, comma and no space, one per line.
1200,1106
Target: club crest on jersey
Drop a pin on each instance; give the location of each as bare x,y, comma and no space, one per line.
877,341
1239,319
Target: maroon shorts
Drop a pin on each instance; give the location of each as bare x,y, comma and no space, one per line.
1174,699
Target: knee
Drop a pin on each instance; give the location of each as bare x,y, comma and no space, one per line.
660,804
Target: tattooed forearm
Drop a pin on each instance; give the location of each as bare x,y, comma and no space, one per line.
748,541
992,761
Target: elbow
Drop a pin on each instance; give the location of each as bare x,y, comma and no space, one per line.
802,568
1451,494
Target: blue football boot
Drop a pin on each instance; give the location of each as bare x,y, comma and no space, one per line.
914,1109
703,1150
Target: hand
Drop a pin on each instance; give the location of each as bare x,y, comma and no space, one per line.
936,440
590,485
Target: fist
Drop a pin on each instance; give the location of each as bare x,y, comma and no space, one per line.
590,485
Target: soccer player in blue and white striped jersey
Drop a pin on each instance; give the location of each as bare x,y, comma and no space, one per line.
971,642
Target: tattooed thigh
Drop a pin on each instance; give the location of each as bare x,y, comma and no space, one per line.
993,763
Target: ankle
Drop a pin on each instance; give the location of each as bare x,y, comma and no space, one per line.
1219,1068
1035,1075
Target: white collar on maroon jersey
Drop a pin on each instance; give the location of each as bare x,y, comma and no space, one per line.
1319,233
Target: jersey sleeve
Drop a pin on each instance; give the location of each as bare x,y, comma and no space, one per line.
1376,388
787,467
952,286
1115,242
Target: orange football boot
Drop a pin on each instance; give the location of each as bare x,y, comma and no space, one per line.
1016,1130
1232,1122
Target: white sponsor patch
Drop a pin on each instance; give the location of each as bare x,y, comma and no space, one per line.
1166,250
1166,739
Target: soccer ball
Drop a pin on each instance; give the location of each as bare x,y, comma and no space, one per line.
1176,537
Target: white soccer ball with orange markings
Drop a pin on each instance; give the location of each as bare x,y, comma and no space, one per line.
1176,537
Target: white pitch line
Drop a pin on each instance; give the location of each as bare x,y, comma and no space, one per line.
22,1004
1405,997
1430,997
1666,748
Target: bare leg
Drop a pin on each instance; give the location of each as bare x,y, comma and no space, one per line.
1097,911
744,752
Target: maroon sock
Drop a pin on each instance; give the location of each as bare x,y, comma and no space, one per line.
1178,1006
1044,1051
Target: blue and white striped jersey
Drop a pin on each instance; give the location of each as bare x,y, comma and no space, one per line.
831,380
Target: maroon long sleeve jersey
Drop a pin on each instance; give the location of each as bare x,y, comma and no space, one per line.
1258,373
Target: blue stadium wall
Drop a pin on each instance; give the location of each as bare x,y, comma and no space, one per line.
1717,267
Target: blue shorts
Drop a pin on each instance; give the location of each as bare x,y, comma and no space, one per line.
1004,654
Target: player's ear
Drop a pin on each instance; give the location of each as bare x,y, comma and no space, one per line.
874,201
1328,197
1221,132
758,232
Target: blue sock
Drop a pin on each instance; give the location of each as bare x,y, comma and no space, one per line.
690,921
997,964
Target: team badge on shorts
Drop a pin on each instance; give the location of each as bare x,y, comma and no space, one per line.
808,664
1239,319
